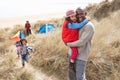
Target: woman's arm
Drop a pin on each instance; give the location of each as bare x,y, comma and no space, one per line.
77,25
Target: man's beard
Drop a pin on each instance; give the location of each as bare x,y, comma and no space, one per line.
80,20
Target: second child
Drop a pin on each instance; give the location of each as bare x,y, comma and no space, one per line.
24,51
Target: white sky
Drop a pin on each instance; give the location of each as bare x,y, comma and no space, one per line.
13,8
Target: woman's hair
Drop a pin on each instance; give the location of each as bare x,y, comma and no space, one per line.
68,18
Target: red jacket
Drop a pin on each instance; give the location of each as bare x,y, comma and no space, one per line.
69,35
27,26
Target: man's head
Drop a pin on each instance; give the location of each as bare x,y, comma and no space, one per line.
80,14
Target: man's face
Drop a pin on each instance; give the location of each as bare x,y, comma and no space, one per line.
80,15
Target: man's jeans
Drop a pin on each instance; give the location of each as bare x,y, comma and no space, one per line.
80,66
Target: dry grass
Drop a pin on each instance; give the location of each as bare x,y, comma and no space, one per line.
102,10
103,64
104,60
24,75
9,69
51,54
6,68
4,40
18,28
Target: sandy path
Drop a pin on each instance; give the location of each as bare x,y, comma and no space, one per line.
38,74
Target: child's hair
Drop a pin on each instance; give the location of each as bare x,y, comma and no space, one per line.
23,40
68,19
17,42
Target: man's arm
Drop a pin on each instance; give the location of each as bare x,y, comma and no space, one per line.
86,35
77,25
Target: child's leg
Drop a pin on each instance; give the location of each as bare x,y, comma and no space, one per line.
74,54
23,60
26,57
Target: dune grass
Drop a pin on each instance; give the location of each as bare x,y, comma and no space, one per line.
103,9
103,63
51,54
10,71
8,66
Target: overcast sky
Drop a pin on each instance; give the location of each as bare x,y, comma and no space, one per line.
13,8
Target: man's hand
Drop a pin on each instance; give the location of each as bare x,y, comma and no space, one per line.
72,66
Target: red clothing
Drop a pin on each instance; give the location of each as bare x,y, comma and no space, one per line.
69,35
74,53
27,26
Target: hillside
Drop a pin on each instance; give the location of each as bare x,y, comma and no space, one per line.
104,60
50,56
103,64
103,9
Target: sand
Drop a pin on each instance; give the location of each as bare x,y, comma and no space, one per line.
12,21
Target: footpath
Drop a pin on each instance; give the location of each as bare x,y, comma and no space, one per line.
37,74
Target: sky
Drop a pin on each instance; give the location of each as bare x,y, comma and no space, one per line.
14,8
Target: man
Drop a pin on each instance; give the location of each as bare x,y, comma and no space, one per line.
27,26
84,46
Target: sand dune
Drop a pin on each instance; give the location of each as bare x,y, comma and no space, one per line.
10,22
